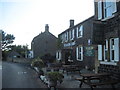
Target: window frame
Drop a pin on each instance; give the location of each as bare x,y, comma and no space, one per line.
79,52
106,50
71,34
112,49
80,30
102,7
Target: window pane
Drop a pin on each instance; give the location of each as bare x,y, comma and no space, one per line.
112,54
99,10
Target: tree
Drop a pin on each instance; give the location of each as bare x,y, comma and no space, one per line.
22,50
7,39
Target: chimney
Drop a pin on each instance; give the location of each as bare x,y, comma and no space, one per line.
46,27
71,23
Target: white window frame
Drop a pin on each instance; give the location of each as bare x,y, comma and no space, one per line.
58,55
71,34
105,50
112,49
66,36
103,7
117,45
99,52
107,8
99,10
80,30
79,52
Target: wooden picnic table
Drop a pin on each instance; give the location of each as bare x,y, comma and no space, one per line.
102,79
86,78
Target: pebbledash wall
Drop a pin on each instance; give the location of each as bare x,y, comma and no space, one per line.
75,44
106,34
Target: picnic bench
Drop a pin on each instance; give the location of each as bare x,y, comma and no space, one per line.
97,79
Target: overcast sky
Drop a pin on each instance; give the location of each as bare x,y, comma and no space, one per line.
25,19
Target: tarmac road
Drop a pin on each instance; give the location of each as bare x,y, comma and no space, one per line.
16,75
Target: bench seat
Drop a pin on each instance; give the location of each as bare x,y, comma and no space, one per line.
109,82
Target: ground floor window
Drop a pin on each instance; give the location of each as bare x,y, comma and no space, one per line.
79,53
109,52
58,55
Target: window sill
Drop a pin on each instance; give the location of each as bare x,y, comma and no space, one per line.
79,60
108,63
58,59
80,37
72,39
107,18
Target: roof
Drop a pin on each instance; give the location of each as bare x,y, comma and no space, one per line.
77,24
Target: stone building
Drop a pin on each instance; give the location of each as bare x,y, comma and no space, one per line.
0,45
106,34
76,44
44,43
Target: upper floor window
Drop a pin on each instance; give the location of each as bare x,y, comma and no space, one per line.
80,31
62,38
66,36
106,9
71,34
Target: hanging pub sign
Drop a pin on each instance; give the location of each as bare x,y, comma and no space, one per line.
89,51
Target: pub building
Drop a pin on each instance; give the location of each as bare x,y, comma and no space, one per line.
106,34
75,44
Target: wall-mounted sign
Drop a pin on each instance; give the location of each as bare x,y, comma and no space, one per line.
69,44
89,51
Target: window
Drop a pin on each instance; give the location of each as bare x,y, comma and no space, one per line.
71,34
106,9
79,53
80,31
99,9
114,49
106,50
99,52
66,36
58,55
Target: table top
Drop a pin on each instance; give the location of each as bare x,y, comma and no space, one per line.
95,74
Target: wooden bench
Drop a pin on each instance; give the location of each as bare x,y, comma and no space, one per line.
71,68
109,82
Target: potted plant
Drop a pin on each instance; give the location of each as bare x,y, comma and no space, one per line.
38,64
54,77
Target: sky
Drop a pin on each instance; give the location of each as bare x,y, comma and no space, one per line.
26,19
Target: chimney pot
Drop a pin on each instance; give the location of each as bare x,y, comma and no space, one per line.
46,27
71,23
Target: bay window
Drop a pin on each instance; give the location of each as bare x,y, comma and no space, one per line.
106,9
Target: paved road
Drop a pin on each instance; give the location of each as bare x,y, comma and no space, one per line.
15,75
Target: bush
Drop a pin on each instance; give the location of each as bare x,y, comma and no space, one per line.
37,63
55,76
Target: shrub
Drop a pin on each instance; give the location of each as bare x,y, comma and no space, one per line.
55,76
37,63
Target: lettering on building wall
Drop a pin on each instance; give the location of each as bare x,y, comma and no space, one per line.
69,44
